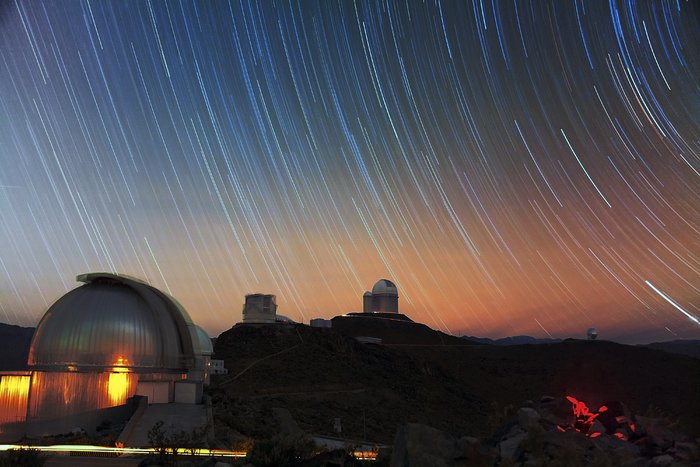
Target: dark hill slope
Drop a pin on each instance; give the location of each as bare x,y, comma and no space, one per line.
14,347
393,331
683,347
319,375
592,371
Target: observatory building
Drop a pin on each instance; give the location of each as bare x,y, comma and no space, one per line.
384,298
260,308
100,344
379,321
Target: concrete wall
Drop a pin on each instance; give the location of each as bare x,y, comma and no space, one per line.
188,392
157,392
88,421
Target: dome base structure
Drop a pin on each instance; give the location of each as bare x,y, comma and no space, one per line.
98,346
384,298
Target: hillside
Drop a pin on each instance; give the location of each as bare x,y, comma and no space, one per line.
320,374
393,331
325,375
14,347
592,371
512,340
682,347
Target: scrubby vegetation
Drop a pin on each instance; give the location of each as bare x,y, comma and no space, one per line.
374,389
22,457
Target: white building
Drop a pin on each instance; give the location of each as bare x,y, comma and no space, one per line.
384,298
217,368
260,308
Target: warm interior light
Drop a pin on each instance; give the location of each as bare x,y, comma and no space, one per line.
118,384
13,398
365,455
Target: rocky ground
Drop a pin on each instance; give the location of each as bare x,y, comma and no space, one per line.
450,405
320,375
548,433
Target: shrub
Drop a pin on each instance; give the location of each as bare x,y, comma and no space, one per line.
169,444
281,451
22,457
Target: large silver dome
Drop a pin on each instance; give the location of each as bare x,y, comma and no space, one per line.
116,321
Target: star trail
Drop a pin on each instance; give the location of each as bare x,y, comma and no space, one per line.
515,167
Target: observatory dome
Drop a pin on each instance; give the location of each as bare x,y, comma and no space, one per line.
116,321
384,287
202,341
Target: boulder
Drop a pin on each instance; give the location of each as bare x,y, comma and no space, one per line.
556,410
655,434
571,441
552,420
662,460
477,453
597,427
528,417
509,447
616,415
636,462
685,451
419,445
610,443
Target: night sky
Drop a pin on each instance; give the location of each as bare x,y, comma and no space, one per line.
514,167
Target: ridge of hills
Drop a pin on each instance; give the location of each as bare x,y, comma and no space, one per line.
682,347
512,340
322,374
14,347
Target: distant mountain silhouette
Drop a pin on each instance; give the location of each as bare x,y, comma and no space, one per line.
512,340
682,347
14,347
687,347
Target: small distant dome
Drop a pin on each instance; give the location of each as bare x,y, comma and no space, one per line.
367,294
592,334
385,287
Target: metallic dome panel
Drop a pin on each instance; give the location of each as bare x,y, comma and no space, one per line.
113,321
384,287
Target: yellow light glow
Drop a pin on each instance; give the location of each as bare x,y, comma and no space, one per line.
118,384
88,449
14,391
120,364
365,455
